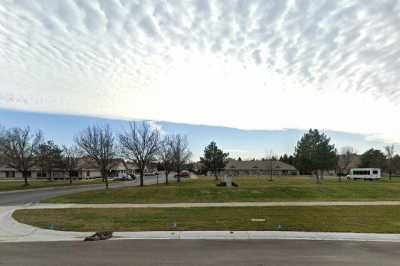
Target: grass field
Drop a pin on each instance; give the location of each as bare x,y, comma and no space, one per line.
250,189
19,185
363,219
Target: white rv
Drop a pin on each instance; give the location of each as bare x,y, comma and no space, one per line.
365,173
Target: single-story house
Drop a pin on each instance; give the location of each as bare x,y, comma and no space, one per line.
258,168
86,169
9,172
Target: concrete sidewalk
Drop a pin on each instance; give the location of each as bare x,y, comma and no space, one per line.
212,204
13,231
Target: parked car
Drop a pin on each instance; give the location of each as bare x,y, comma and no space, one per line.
124,177
151,173
183,174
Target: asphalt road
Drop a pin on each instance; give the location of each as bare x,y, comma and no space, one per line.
201,252
33,196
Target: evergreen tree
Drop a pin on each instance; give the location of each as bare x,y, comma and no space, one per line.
49,156
314,153
373,159
214,158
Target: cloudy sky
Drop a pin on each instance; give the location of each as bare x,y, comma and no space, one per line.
247,64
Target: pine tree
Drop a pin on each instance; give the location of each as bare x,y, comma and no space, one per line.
214,158
314,153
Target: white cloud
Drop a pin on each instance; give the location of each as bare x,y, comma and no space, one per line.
156,126
253,64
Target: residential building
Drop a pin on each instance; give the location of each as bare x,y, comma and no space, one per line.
86,168
258,168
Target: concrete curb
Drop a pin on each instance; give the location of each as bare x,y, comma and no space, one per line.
257,235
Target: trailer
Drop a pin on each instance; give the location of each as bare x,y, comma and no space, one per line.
365,174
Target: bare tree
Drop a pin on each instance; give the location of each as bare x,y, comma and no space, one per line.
18,147
140,144
389,149
180,153
271,158
166,156
71,159
347,155
98,144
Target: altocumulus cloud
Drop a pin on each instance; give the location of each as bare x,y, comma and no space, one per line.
252,64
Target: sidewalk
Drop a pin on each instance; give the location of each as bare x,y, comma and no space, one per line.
212,204
13,231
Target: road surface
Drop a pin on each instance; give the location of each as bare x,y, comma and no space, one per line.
201,252
33,196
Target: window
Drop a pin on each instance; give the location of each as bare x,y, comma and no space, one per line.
41,174
10,174
375,172
361,172
87,173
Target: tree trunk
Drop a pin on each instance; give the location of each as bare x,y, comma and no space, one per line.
166,177
317,177
141,177
270,172
70,177
105,177
390,175
178,176
25,175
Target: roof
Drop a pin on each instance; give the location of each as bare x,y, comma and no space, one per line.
131,165
5,167
258,164
87,163
90,164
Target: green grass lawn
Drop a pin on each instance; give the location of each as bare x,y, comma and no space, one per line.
250,189
19,185
363,219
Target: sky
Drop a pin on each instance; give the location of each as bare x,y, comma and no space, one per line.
258,65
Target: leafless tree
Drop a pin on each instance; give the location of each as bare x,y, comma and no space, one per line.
347,155
98,144
166,156
389,149
180,153
71,158
140,145
270,158
18,147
